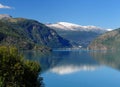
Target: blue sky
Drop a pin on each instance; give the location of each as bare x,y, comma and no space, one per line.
102,13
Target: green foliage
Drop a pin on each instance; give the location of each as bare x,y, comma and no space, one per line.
17,72
107,41
29,32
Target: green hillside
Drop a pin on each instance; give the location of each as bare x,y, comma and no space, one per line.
29,34
107,41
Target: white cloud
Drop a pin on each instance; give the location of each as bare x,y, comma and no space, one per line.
4,6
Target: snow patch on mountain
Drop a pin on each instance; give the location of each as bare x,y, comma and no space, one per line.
2,16
75,27
109,29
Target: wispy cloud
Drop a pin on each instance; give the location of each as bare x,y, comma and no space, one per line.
4,6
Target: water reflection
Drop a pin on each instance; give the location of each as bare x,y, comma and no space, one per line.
108,58
78,68
64,62
68,69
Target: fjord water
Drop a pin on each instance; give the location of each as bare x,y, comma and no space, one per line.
77,68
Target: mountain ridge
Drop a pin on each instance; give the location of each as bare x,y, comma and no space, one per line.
108,41
3,16
75,27
28,33
80,36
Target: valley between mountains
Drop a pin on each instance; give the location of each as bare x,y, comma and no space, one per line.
31,34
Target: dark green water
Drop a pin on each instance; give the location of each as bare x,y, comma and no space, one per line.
63,68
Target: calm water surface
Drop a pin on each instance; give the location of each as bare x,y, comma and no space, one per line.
78,68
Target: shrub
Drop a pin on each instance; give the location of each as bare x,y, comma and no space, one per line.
15,71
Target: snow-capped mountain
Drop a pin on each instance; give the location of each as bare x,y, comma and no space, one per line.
80,36
75,27
5,16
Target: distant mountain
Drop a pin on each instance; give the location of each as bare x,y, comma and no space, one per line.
75,27
78,35
107,41
3,16
28,34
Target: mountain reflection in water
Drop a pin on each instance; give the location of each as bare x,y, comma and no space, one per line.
70,68
107,58
64,62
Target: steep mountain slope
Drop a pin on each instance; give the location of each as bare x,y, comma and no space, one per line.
107,41
79,35
28,33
